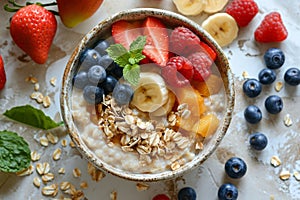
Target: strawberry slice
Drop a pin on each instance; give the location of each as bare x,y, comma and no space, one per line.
125,32
157,46
212,54
2,74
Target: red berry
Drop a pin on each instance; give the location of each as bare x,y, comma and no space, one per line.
183,65
2,74
243,11
202,64
172,76
161,197
183,41
212,54
271,29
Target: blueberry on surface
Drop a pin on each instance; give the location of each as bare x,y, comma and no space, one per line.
227,191
274,58
89,58
96,74
253,114
101,46
106,61
93,94
80,80
258,141
266,76
187,193
292,76
252,88
109,84
235,167
273,104
122,93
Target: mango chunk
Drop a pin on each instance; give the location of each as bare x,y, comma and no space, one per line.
209,87
206,125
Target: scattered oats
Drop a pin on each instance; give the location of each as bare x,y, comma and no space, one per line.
113,195
275,161
46,102
37,182
31,79
284,175
278,86
26,172
84,185
53,81
53,139
35,156
62,170
36,87
64,143
96,174
245,74
56,154
44,141
70,189
199,146
76,172
142,186
47,177
175,165
72,144
43,168
297,176
65,185
37,96
287,120
50,190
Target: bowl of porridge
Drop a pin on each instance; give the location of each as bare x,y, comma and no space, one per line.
147,95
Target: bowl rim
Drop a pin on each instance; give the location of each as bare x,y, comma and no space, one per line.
65,99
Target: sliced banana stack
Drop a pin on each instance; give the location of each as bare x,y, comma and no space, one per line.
150,93
222,27
190,7
213,6
167,107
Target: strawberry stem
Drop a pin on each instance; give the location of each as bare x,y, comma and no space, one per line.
15,6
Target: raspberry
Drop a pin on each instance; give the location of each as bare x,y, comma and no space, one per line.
183,41
161,197
202,64
243,11
271,29
184,66
172,76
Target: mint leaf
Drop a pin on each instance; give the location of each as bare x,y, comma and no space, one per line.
119,54
137,45
31,116
132,74
14,152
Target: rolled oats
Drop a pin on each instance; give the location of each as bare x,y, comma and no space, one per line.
53,81
47,177
61,170
64,143
287,120
278,86
26,172
142,186
37,182
36,87
113,195
50,190
53,139
245,74
44,141
46,102
56,154
96,174
275,161
76,172
84,185
175,165
284,175
65,185
297,175
43,168
35,156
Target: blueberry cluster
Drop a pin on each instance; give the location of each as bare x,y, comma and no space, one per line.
98,75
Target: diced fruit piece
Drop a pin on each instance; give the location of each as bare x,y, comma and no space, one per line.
211,86
89,58
242,11
172,76
125,32
253,114
33,29
271,29
122,93
161,197
266,76
274,104
212,54
227,191
76,11
81,80
157,45
213,6
187,124
2,74
187,193
109,84
187,7
207,125
183,41
252,88
258,141
202,64
235,167
93,94
96,74
292,76
274,58
222,27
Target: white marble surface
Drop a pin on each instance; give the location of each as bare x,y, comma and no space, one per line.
261,181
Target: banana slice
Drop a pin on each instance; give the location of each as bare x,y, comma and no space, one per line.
222,27
167,107
213,6
150,93
190,7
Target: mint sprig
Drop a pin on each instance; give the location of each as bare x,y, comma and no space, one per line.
129,60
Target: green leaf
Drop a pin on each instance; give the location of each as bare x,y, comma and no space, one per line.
31,116
138,44
119,54
132,74
14,152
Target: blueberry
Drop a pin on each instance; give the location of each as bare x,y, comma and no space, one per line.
109,84
274,58
227,191
274,104
252,88
101,46
80,80
89,58
96,74
106,61
235,167
116,71
266,76
122,93
253,114
93,94
292,76
258,141
187,193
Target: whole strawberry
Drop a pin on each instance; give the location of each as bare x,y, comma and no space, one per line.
243,11
2,74
271,29
33,28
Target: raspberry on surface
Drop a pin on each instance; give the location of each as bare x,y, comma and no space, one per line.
202,65
183,65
